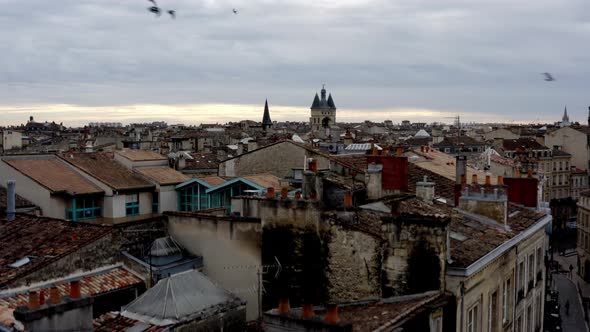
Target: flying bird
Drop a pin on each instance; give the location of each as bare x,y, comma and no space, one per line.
235,11
155,10
172,13
548,77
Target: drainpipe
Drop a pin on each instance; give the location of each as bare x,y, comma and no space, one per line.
462,290
10,200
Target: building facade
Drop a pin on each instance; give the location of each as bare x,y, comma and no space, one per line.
323,114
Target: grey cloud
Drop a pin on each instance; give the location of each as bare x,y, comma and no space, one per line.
461,56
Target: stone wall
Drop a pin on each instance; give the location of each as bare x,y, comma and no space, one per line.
233,320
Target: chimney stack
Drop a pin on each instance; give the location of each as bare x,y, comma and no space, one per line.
530,173
284,307
400,151
500,180
348,200
33,300
488,180
474,179
332,314
460,168
307,311
10,200
313,165
54,295
75,289
284,192
270,193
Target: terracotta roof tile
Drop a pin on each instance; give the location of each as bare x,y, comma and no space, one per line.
264,180
140,155
102,167
43,240
202,161
90,285
53,174
163,175
213,180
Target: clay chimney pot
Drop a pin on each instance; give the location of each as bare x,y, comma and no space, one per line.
332,314
33,300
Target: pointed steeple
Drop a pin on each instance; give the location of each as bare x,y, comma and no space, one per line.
565,118
331,102
266,122
316,101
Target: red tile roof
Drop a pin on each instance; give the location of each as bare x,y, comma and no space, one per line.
44,240
102,167
523,142
90,285
163,175
140,155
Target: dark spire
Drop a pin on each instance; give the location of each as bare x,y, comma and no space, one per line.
316,101
266,122
323,93
331,101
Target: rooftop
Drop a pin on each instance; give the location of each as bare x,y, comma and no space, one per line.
29,243
91,284
180,298
522,143
457,141
472,239
53,174
264,180
163,175
114,322
204,160
444,165
212,180
140,155
104,168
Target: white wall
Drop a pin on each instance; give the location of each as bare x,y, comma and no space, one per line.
12,139
168,199
32,191
145,203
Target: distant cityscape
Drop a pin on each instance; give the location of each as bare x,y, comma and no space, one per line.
295,226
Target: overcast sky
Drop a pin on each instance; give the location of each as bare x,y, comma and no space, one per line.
90,60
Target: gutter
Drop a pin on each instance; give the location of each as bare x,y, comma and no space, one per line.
498,251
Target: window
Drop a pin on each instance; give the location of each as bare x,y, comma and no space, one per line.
539,312
132,205
436,324
506,301
155,202
493,313
472,318
531,271
529,318
521,276
539,258
83,208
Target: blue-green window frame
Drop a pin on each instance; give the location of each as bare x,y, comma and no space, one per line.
84,208
132,208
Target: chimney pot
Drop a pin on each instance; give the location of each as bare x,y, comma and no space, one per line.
284,192
348,200
500,180
54,295
313,165
270,193
33,300
421,148
474,179
307,311
298,195
42,297
284,307
463,179
530,173
488,180
400,151
75,289
332,314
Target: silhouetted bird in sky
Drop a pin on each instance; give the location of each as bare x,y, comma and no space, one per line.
235,11
548,77
172,13
155,10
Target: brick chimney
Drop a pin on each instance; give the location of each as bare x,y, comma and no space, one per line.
394,173
374,181
522,190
